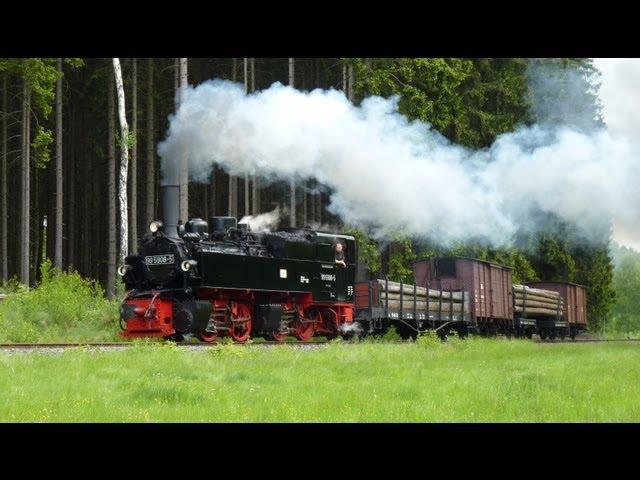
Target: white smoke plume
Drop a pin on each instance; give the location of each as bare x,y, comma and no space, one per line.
264,221
387,173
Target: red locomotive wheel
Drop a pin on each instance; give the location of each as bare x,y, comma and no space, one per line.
241,331
278,337
304,330
208,337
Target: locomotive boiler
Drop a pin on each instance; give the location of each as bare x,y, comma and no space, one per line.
218,278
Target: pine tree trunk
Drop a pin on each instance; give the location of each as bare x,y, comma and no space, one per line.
36,226
292,185
255,193
184,168
317,197
4,269
85,239
124,164
233,181
150,170
247,210
133,166
351,80
344,78
25,203
212,193
59,193
111,191
71,189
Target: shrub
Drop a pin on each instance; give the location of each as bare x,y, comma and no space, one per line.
63,307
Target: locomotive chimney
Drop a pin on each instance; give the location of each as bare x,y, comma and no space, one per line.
170,205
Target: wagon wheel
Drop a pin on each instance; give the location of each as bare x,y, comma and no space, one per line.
406,332
240,323
543,333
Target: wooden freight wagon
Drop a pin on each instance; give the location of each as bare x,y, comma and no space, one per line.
381,303
489,286
537,310
574,297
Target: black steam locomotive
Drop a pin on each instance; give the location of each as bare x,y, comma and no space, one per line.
218,278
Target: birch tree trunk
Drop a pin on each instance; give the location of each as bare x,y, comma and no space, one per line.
59,192
124,164
292,185
4,270
134,156
233,181
255,194
25,203
184,169
150,170
111,191
247,210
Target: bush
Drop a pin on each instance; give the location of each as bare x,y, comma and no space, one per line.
64,307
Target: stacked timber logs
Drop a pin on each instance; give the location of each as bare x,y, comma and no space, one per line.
438,300
535,301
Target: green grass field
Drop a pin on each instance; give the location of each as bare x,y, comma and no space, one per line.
475,380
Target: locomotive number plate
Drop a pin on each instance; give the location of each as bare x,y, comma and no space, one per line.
159,259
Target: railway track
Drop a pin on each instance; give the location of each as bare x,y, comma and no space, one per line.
590,340
125,345
200,346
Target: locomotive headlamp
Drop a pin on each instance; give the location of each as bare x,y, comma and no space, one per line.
188,265
155,226
123,269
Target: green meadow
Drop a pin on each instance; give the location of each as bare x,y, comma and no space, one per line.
472,380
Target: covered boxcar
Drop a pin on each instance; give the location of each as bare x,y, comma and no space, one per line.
489,286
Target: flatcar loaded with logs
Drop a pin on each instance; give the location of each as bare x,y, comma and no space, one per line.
219,279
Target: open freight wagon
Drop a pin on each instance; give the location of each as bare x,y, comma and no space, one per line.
574,299
411,309
537,310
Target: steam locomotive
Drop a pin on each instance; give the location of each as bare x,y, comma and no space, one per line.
219,279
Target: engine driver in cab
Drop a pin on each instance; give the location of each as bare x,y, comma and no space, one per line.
339,252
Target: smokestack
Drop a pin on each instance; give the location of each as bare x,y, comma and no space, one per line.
170,205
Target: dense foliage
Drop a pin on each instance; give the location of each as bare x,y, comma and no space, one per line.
625,313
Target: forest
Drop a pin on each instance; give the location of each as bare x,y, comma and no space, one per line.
63,143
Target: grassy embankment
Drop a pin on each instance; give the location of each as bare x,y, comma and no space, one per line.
468,381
